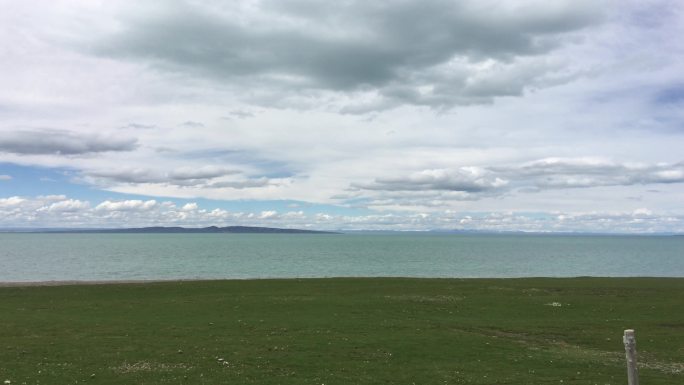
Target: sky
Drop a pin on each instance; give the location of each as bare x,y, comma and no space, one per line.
528,115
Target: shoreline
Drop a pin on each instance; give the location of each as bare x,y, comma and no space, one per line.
4,284
91,282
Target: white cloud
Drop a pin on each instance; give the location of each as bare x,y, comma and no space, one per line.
591,172
69,205
189,207
642,212
127,205
270,214
464,179
294,215
11,201
5,177
42,212
439,187
182,176
218,214
471,106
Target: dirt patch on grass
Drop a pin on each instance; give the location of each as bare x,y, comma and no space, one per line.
559,347
145,366
292,298
426,298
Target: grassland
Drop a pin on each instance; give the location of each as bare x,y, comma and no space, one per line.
343,331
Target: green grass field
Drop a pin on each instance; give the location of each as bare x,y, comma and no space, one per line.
343,331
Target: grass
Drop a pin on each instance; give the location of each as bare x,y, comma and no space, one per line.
343,331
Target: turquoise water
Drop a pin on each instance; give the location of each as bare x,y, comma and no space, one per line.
59,257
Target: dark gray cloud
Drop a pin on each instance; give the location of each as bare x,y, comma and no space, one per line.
419,52
57,142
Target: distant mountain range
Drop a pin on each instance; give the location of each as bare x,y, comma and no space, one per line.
274,230
185,230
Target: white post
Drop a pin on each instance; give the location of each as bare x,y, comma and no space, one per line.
631,355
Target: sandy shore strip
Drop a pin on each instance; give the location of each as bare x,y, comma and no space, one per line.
170,280
105,282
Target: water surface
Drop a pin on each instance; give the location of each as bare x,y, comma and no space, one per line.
93,257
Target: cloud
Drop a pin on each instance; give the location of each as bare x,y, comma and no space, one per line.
5,177
11,201
269,214
62,211
205,172
437,53
182,176
591,172
127,205
68,205
464,179
135,175
240,114
56,142
243,184
437,187
518,96
140,126
192,124
208,181
189,207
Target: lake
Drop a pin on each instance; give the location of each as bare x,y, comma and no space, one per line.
28,257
